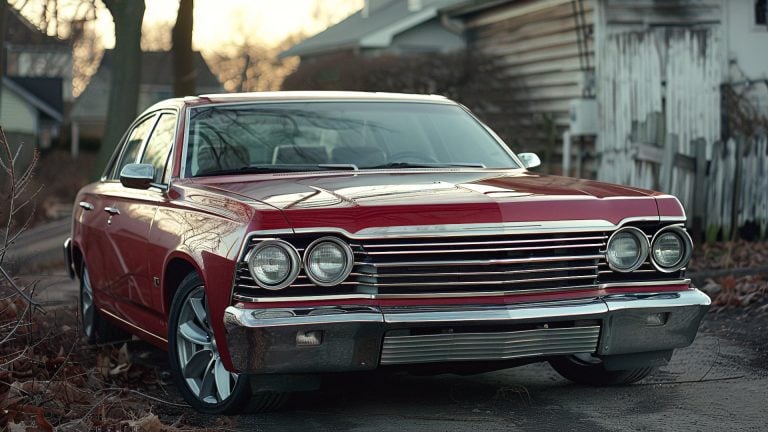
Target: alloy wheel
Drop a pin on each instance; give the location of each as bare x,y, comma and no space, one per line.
86,305
198,356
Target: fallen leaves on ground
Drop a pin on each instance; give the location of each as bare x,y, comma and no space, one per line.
50,379
729,255
735,290
738,292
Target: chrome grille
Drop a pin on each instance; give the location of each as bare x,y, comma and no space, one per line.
521,262
446,347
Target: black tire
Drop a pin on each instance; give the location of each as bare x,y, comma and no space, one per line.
267,401
95,328
227,393
593,373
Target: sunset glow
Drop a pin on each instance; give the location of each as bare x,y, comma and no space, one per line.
218,22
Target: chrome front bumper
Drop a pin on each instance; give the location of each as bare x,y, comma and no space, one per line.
349,338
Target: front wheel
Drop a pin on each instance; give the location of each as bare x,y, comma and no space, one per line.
589,370
194,358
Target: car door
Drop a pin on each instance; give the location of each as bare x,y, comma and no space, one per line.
102,254
132,213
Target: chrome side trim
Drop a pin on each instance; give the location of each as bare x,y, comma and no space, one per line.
139,329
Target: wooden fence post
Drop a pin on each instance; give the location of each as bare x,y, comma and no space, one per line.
736,197
668,163
699,187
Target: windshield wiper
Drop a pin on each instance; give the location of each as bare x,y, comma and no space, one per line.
427,165
253,169
342,167
283,168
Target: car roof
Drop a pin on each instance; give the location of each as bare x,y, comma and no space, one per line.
294,96
313,96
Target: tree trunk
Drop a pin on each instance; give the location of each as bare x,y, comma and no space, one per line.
3,30
184,74
126,75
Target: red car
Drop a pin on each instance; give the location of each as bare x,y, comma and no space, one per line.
264,239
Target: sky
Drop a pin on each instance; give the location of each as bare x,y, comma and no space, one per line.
217,22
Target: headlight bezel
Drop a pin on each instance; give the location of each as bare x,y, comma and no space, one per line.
348,255
294,258
645,246
687,244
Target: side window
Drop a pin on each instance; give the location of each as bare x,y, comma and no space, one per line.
159,145
132,146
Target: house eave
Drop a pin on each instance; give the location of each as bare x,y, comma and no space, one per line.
33,100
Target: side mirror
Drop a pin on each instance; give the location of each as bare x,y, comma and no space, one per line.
529,160
137,176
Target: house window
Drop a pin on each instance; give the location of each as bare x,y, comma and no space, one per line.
761,12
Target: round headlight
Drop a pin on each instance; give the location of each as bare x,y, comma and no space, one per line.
274,264
627,249
328,261
671,249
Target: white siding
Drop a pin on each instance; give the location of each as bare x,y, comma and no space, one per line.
747,69
537,42
16,115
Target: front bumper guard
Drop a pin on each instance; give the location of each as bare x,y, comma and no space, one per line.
273,340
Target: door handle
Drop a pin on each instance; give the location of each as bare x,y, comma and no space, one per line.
86,205
112,210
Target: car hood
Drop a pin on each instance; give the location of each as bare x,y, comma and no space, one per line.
359,200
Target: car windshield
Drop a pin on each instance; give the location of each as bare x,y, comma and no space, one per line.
313,136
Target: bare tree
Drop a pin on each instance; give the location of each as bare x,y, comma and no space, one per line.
3,12
126,74
15,301
250,65
184,74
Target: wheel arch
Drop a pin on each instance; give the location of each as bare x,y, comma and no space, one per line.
177,267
